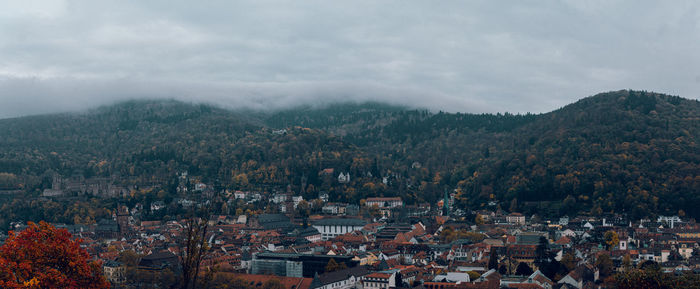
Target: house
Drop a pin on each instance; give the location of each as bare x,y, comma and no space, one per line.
566,233
239,195
515,219
344,178
489,280
341,279
323,196
540,279
580,276
186,203
279,131
296,200
310,234
366,258
389,254
333,209
157,205
380,280
685,249
279,198
564,221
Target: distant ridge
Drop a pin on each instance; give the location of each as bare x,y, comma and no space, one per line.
632,152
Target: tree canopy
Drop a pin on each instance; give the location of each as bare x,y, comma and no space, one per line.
631,152
43,256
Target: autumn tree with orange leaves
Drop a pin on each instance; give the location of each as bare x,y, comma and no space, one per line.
43,256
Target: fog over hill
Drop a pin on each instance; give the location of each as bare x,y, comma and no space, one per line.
478,57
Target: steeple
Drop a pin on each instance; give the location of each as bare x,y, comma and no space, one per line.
316,282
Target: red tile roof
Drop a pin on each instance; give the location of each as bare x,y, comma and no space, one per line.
379,275
287,282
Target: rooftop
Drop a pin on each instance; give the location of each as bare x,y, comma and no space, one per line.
340,222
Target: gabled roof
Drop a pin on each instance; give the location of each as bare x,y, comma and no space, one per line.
563,241
541,278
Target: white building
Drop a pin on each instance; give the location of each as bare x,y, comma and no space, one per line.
239,195
344,178
296,200
380,280
669,220
384,202
279,198
157,205
333,227
516,219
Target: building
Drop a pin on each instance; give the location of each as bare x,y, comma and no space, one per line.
515,219
310,234
333,209
384,202
107,229
115,272
294,264
159,261
123,220
278,222
584,274
341,279
669,221
522,253
452,277
157,205
276,266
380,280
344,178
333,227
340,209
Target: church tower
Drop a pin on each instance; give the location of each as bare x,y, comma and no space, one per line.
123,220
446,204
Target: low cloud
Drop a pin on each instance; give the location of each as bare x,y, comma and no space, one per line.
486,56
66,95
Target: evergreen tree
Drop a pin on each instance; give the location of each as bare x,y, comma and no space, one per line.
493,259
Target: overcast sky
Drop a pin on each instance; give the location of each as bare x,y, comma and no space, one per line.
469,56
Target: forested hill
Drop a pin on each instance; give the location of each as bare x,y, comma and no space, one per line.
624,151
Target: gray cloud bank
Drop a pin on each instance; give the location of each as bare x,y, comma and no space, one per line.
471,56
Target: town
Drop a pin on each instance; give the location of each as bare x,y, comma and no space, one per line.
381,242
